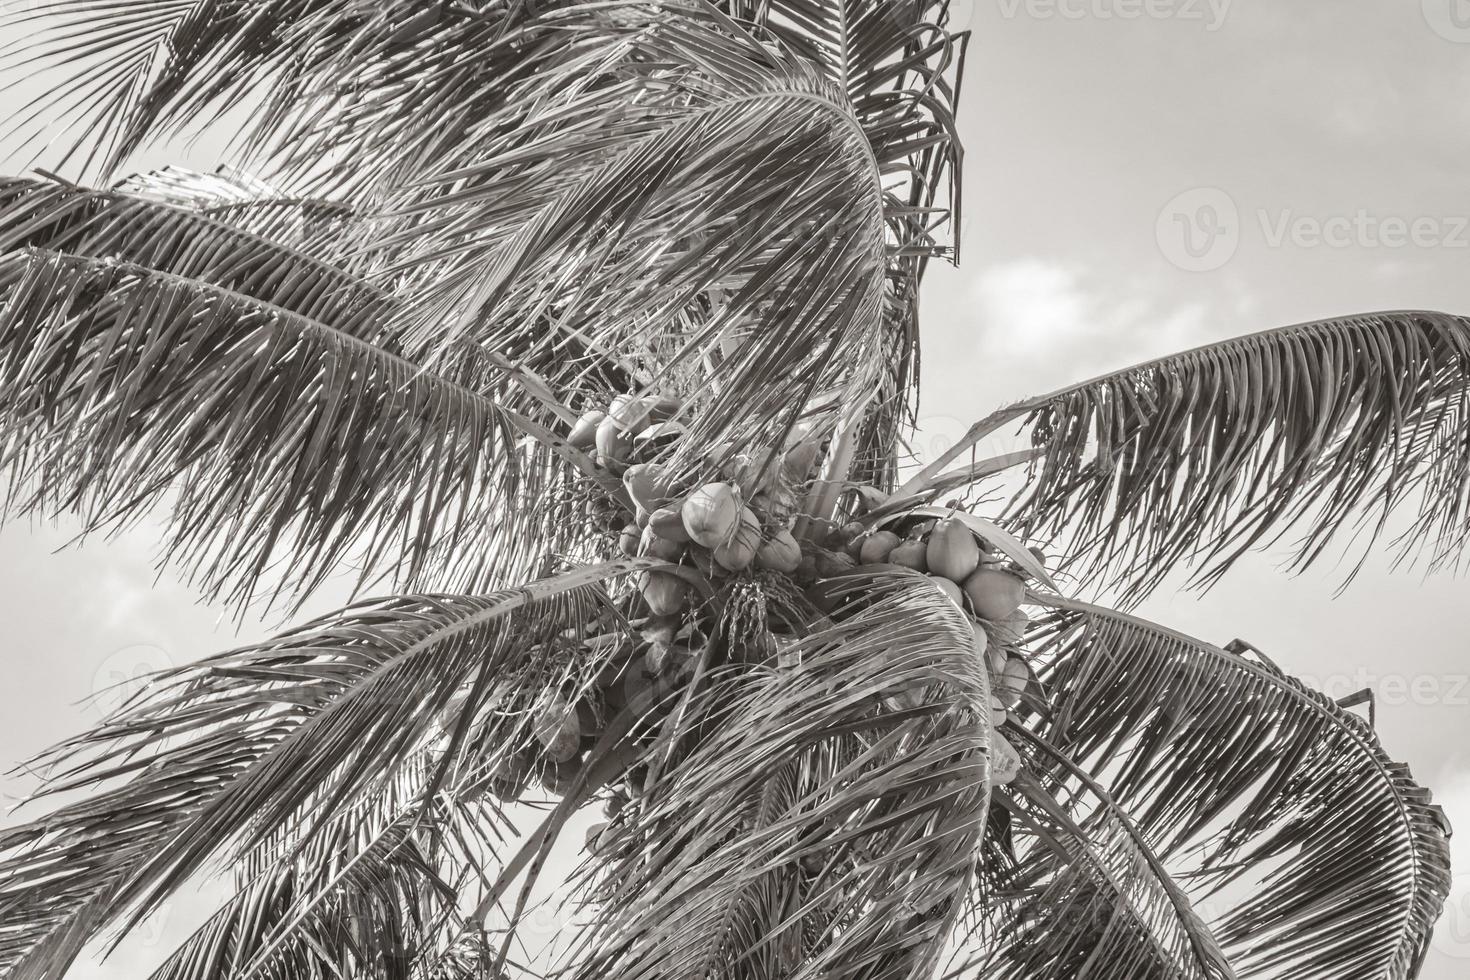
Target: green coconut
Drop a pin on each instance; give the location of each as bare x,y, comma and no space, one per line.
781,553
952,551
738,551
711,514
994,593
877,547
584,431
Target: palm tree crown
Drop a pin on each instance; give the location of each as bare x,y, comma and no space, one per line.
588,334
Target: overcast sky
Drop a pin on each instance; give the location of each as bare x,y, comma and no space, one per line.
1134,185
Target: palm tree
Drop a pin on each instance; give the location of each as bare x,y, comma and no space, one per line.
588,332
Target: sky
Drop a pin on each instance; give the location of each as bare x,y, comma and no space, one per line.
1141,176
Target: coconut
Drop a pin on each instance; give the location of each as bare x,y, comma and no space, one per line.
649,484
910,554
653,545
995,655
614,804
1005,761
558,779
584,432
613,443
676,660
594,834
628,540
949,589
712,513
877,546
781,553
982,642
1010,630
664,593
1013,680
736,553
953,551
800,461
995,593
558,729
668,524
658,437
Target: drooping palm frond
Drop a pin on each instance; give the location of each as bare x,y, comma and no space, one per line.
1084,894
141,72
790,824
503,144
1276,809
284,445
621,212
185,240
364,897
1195,459
256,753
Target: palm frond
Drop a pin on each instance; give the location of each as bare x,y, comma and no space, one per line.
189,242
1197,458
1083,895
1276,808
321,227
790,823
285,446
501,143
900,66
364,896
620,212
140,73
254,753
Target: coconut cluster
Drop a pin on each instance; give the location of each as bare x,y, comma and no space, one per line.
711,528
739,520
632,429
569,712
989,587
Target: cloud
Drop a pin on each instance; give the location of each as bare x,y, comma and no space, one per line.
1053,323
